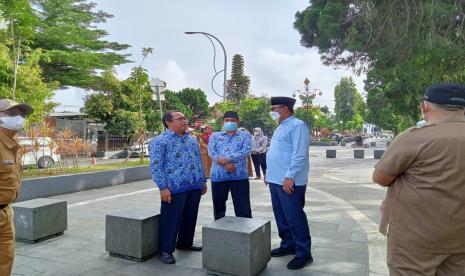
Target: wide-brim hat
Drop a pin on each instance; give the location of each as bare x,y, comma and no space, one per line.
6,104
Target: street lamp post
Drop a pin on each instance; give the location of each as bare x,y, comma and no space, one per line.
158,87
210,36
307,96
316,125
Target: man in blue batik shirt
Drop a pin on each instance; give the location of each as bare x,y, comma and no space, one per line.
229,150
287,176
177,170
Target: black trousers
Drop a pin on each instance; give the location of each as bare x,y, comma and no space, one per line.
259,160
240,191
178,219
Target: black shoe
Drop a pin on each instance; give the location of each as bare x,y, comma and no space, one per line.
298,263
279,252
167,258
191,248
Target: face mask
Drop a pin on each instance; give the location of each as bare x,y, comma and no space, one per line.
275,115
421,123
230,126
13,123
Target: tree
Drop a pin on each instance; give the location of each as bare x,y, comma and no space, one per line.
325,110
115,106
404,46
172,102
364,34
345,99
74,48
253,112
30,86
349,106
20,23
196,101
237,87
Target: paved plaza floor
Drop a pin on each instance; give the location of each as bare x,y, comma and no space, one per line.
342,206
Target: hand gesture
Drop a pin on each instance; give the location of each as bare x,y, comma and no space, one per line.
205,189
165,195
230,168
288,185
223,161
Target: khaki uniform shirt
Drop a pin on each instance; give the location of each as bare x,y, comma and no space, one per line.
10,169
425,206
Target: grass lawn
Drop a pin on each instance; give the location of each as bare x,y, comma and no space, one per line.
33,172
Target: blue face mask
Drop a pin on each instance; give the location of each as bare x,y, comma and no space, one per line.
230,126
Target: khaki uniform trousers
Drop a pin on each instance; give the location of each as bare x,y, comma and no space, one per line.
7,241
406,262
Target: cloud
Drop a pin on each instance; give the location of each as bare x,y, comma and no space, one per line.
174,75
280,74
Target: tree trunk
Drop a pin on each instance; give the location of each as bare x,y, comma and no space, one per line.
107,138
129,151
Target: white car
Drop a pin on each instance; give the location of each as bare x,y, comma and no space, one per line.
41,157
137,148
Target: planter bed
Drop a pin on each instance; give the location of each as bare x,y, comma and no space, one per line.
71,183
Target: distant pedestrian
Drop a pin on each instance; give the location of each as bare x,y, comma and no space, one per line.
424,168
287,176
12,119
177,170
259,148
204,139
229,150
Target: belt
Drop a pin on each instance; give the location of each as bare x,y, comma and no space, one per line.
3,206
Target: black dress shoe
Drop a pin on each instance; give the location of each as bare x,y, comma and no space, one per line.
280,251
167,258
191,248
298,263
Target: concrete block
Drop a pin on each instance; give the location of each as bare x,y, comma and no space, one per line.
132,234
236,246
372,144
359,154
378,153
40,219
330,153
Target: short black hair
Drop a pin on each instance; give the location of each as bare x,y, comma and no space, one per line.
168,117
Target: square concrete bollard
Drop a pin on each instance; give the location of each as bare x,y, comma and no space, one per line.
378,153
359,154
40,219
330,153
132,234
372,144
236,246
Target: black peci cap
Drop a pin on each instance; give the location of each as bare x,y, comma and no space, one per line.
287,101
230,114
446,94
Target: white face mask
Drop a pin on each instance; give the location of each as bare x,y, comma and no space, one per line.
421,123
13,123
275,115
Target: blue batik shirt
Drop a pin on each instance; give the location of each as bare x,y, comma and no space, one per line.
236,149
175,163
288,155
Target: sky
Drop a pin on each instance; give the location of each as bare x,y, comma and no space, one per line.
260,30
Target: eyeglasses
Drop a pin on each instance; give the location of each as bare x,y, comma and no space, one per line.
179,119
